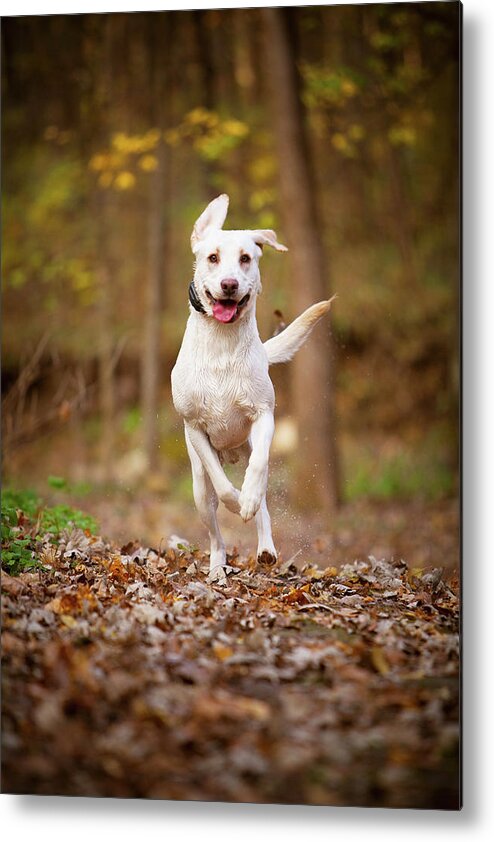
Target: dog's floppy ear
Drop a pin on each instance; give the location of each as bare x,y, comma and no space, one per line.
210,219
266,237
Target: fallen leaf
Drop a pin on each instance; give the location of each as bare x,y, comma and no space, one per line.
221,651
379,660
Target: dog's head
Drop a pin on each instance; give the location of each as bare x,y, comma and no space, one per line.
226,276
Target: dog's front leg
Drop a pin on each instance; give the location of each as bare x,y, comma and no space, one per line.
266,552
256,476
226,492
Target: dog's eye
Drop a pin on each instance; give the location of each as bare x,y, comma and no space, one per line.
244,258
213,258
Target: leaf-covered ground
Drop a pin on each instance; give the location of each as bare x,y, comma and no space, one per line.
126,673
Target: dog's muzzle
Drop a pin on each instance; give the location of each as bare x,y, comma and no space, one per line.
226,310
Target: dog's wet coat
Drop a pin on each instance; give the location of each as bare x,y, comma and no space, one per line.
220,383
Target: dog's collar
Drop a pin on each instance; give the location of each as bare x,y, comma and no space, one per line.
194,299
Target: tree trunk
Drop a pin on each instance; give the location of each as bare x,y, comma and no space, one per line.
317,467
104,205
244,69
106,376
159,32
153,309
400,219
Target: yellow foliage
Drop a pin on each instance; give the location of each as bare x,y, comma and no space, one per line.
136,144
172,137
262,168
201,116
124,180
196,116
120,141
348,88
148,163
267,219
82,281
151,138
209,135
340,142
235,128
260,199
99,162
402,136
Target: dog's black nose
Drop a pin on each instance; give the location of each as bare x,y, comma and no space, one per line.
229,286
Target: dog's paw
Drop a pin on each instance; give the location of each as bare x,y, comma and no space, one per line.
230,499
267,557
249,504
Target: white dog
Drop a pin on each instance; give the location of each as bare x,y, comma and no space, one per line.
220,382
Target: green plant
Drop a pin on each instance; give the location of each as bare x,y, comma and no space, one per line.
384,470
26,522
57,482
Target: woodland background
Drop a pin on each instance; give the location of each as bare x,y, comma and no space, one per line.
337,126
330,677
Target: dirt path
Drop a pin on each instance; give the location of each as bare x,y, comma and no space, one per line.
127,674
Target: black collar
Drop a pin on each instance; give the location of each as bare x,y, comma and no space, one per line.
194,299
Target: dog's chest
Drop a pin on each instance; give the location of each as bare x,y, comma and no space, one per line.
223,390
225,400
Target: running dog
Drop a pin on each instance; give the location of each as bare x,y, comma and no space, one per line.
220,383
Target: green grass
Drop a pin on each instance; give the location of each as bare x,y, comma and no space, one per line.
397,472
25,521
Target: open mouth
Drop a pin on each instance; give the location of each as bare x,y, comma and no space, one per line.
226,310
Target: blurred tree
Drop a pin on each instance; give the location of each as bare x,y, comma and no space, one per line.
88,186
158,32
106,274
317,465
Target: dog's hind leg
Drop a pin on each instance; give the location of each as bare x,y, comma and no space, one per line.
201,445
206,502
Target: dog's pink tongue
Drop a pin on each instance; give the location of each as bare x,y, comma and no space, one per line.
223,311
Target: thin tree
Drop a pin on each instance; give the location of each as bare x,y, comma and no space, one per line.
104,209
155,277
317,464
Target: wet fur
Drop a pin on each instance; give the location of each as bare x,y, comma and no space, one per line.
221,385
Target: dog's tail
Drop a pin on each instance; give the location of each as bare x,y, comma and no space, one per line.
285,345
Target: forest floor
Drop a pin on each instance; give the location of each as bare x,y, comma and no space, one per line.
423,532
126,673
